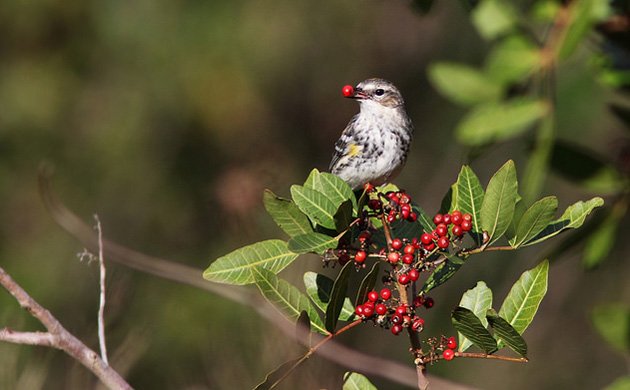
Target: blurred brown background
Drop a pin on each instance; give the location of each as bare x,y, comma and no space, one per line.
169,118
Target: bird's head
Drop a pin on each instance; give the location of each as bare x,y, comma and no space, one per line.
377,91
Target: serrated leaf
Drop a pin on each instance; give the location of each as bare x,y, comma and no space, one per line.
335,188
513,59
497,121
286,298
478,300
319,287
504,332
315,205
274,377
497,209
337,297
442,273
236,266
469,198
612,322
467,323
286,214
356,381
521,304
535,220
494,18
573,217
463,84
584,15
582,166
312,243
367,284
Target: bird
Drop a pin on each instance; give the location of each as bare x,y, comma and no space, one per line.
373,147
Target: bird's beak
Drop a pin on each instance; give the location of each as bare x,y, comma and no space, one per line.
359,94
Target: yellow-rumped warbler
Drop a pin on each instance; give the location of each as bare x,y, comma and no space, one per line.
374,145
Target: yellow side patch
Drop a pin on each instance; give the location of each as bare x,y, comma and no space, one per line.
354,150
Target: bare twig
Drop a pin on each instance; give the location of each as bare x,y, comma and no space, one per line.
101,306
56,337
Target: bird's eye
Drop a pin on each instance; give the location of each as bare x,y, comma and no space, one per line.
379,92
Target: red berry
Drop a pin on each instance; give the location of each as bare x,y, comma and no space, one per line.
429,247
396,329
446,219
438,219
409,249
368,311
404,213
401,310
364,236
443,242
418,324
369,304
415,243
360,256
467,217
404,198
457,230
426,238
428,302
391,217
372,296
448,354
466,225
393,257
403,279
397,244
393,197
408,258
380,309
413,217
347,91
454,213
359,310
418,301
375,204
451,343
456,219
385,294
441,230
413,274
344,258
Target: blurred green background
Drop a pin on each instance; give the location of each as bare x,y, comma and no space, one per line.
169,118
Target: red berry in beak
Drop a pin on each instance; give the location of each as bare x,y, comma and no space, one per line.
347,91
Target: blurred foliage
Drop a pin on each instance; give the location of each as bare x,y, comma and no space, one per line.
168,119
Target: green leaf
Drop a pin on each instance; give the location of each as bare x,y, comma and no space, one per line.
470,196
286,298
535,173
499,202
442,273
588,170
494,18
236,266
612,322
449,200
478,300
507,334
367,284
286,214
335,188
584,15
356,381
312,243
521,304
337,297
573,217
463,84
274,377
621,383
343,217
315,204
535,220
467,323
319,287
512,60
498,121
599,244
313,177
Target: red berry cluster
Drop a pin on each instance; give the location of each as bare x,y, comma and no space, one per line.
461,223
449,345
389,312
